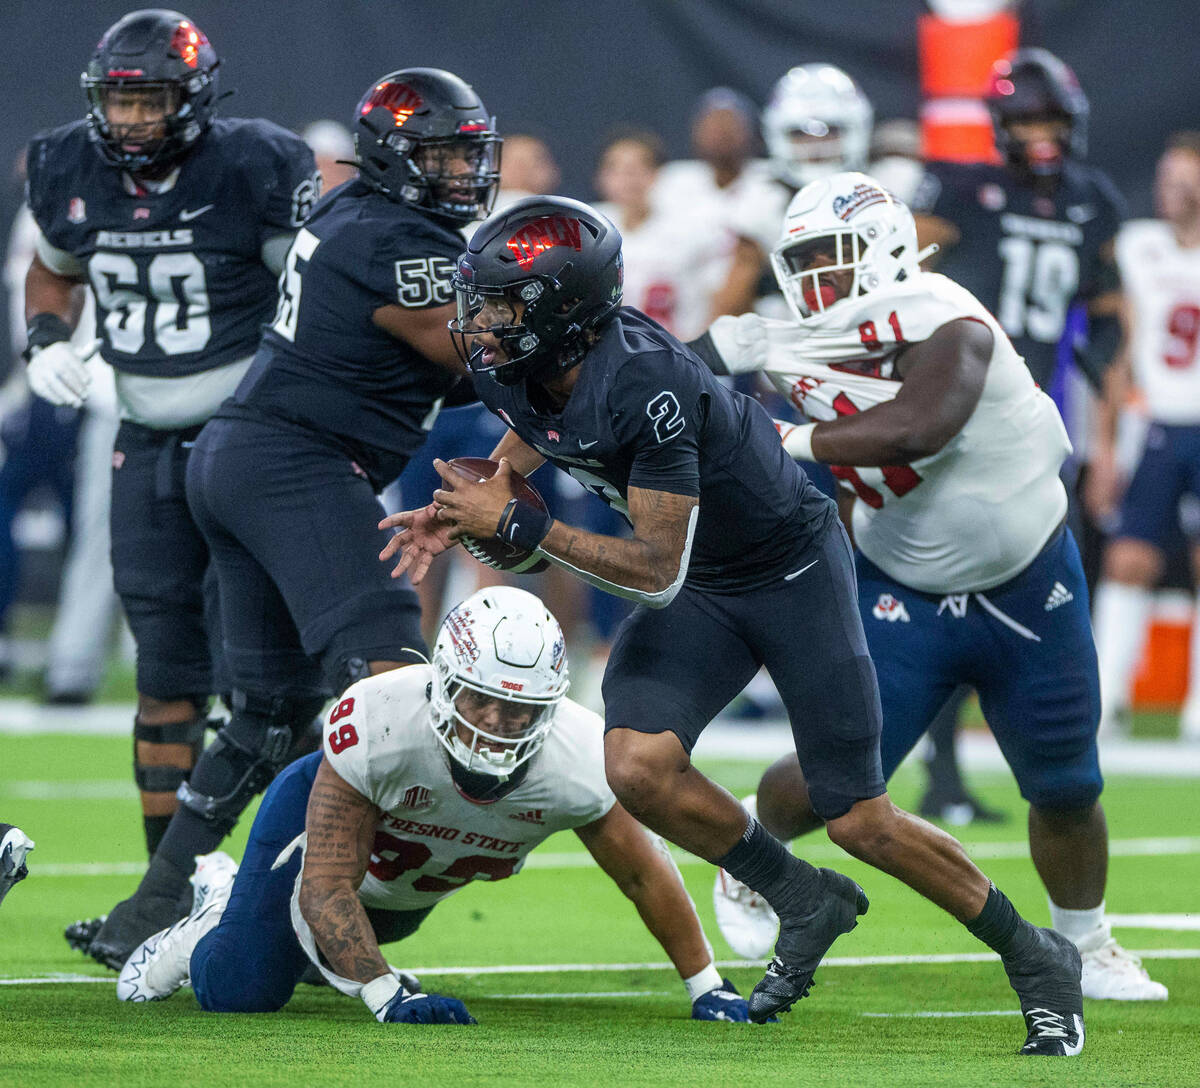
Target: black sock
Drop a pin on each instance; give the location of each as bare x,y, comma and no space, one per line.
999,925
156,827
763,863
173,862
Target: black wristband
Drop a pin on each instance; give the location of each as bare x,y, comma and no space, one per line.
523,524
43,330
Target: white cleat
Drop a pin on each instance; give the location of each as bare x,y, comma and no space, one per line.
14,847
1110,973
747,922
160,965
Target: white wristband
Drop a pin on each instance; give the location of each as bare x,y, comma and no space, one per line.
378,993
797,441
703,982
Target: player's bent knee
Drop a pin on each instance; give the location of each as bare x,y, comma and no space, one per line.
1065,801
867,830
784,806
640,767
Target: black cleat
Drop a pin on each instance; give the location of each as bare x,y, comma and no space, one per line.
1047,980
14,846
803,940
79,935
957,809
129,923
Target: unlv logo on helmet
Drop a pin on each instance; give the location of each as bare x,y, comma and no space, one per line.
399,98
187,42
539,235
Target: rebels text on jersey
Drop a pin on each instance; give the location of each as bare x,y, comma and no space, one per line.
645,412
323,362
178,276
1025,256
977,512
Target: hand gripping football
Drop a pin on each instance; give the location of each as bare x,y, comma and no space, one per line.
494,551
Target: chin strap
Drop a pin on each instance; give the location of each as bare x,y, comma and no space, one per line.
928,252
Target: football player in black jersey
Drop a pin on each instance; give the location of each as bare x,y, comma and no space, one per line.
1029,237
179,221
283,480
736,561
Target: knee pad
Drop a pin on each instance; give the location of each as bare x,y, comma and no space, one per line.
165,777
248,752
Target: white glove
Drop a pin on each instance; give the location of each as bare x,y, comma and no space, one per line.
741,342
58,373
796,439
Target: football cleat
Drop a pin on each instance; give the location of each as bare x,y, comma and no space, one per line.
958,810
130,923
14,846
79,935
803,940
1111,973
745,918
1047,980
160,964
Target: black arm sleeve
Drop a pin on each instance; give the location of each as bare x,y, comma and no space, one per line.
704,347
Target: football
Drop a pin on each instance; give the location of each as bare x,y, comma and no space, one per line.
495,552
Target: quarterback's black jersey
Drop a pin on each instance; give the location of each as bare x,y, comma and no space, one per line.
323,362
645,412
178,276
1026,257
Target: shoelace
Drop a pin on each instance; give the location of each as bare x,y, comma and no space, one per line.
1047,1024
777,968
1115,955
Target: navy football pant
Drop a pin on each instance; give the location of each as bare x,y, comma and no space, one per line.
252,960
1026,648
677,667
161,564
290,520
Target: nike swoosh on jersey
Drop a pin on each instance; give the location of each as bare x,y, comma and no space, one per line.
187,216
588,445
797,573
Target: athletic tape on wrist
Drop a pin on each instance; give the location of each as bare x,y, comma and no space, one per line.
703,982
523,524
378,993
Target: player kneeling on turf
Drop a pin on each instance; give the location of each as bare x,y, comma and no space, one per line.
432,776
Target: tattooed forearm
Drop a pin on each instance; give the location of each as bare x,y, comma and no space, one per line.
341,826
647,561
342,930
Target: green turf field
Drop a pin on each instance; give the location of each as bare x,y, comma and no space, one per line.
581,1017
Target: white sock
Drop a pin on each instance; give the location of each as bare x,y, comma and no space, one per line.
1119,619
1076,924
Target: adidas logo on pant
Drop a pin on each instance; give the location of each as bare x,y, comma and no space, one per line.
1058,595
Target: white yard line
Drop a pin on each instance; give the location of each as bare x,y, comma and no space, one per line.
589,968
816,851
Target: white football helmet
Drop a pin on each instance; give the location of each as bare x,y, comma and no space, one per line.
858,227
816,122
500,643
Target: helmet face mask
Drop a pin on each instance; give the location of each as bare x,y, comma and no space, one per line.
1039,112
151,88
843,237
535,283
422,137
499,675
816,123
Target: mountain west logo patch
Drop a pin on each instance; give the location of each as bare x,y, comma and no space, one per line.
533,816
417,797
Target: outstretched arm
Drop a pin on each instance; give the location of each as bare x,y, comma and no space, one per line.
943,380
646,875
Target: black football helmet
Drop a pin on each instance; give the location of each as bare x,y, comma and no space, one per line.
413,132
541,275
1033,84
163,59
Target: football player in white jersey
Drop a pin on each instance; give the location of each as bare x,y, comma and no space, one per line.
1159,261
432,776
948,454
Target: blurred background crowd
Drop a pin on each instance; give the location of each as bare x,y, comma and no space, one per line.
690,122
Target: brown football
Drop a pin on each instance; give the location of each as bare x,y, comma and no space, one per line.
494,551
